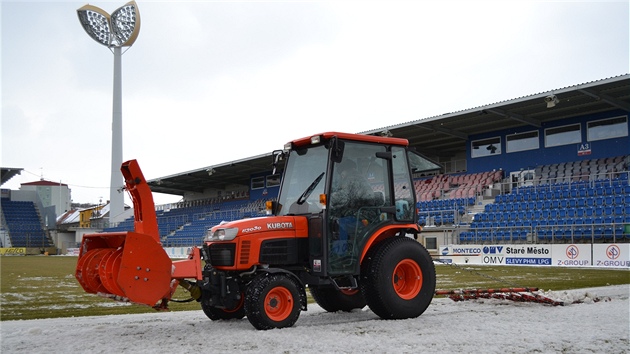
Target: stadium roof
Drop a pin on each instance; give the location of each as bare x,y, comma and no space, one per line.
436,137
8,173
216,176
446,134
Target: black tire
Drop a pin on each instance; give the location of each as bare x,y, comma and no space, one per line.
272,301
333,300
398,278
216,313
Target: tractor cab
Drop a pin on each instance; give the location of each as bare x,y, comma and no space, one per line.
354,190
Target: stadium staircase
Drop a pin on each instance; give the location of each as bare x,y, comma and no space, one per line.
445,200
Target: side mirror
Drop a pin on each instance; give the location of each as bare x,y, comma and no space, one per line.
277,155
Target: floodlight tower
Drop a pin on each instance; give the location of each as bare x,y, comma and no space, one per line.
116,31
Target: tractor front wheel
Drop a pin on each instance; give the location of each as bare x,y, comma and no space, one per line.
272,301
398,278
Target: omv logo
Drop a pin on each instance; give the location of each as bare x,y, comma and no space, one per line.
493,249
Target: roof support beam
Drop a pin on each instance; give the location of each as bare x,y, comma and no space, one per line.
610,100
514,116
450,132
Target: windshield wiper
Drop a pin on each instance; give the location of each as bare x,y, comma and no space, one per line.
310,189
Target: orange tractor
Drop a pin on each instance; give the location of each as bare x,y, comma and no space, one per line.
343,225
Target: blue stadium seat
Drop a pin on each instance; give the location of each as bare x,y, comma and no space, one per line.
608,232
578,233
599,201
542,234
581,202
608,200
599,211
618,210
562,213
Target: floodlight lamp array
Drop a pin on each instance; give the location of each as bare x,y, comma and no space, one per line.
118,30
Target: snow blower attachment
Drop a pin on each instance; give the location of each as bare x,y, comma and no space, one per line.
128,266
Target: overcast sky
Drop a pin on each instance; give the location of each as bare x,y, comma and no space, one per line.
210,82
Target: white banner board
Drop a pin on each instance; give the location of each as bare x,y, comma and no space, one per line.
564,255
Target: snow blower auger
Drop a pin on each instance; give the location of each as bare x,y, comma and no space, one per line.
130,266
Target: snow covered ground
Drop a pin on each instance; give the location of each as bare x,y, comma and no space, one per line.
480,326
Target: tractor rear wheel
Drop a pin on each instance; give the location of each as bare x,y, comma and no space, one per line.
333,300
398,278
272,301
216,313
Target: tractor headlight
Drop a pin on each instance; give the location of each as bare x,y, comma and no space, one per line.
221,234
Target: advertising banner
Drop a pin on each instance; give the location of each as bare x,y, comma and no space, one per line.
497,254
177,252
13,251
611,255
572,255
461,254
527,254
73,251
564,255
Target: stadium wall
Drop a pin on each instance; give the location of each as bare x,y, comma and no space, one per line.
262,188
529,159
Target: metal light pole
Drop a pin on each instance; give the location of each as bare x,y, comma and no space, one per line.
116,31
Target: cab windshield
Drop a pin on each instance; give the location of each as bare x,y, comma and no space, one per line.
304,180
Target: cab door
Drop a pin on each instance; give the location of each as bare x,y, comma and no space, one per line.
360,188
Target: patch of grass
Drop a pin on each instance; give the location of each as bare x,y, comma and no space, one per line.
34,287
44,287
544,278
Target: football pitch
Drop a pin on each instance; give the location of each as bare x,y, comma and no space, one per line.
34,287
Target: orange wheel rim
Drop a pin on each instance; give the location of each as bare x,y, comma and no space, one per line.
407,279
278,304
349,292
237,307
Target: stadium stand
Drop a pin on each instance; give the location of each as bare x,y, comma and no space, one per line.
568,202
585,201
22,222
187,223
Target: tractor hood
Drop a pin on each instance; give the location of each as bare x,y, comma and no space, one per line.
226,231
